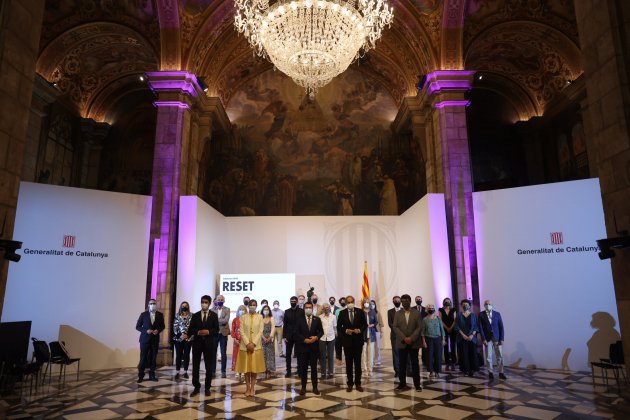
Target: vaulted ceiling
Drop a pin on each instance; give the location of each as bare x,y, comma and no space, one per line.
95,50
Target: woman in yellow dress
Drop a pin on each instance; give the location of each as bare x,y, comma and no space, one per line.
250,359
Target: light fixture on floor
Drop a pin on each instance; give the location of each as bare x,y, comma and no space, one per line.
312,41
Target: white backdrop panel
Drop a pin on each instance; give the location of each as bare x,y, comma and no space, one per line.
326,251
90,302
559,308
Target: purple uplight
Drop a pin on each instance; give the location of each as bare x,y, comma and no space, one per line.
178,104
443,104
180,81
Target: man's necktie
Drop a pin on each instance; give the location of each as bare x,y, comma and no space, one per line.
309,322
351,317
205,314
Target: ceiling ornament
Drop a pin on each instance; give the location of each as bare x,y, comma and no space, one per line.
312,41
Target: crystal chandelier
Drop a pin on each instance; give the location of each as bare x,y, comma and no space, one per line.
312,41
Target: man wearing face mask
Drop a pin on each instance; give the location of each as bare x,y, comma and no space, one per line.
351,326
150,324
223,313
407,326
246,301
491,329
291,316
278,320
204,326
308,332
423,313
392,335
338,344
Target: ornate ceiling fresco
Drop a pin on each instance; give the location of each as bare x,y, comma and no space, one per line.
87,45
534,44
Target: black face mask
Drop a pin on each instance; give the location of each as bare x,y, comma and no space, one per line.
418,302
397,304
245,302
332,302
185,308
343,304
447,304
314,300
293,304
431,311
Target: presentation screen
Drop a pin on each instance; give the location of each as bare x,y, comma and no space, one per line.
273,286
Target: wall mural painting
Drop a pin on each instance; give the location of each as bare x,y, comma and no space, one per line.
290,155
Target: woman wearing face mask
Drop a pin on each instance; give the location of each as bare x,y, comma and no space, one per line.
182,341
467,330
369,338
379,330
433,340
448,315
269,351
250,356
236,335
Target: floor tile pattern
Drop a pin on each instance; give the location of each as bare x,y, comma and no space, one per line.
114,394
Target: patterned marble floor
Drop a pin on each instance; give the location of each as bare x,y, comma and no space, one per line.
539,394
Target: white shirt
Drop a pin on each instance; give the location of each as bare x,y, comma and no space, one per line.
329,325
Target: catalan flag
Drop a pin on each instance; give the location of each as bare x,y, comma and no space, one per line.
365,288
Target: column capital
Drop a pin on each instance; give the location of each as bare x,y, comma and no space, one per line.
446,88
174,88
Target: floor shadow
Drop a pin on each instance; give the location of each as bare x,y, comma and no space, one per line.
93,353
605,334
521,357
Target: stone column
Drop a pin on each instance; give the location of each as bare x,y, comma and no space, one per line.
18,55
604,30
176,92
452,173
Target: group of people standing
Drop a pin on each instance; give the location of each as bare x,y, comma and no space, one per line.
319,333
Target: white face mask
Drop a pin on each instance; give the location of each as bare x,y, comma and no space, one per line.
205,306
350,305
266,313
276,306
252,309
300,301
239,313
152,307
308,311
489,308
366,305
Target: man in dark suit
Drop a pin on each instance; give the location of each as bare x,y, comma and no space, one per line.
350,327
204,326
291,316
491,328
308,331
150,324
392,335
407,326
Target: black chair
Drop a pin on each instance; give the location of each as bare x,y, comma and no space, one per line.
615,362
41,355
59,356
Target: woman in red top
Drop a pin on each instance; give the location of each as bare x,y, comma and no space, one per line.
236,335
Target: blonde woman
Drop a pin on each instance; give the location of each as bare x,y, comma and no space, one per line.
250,359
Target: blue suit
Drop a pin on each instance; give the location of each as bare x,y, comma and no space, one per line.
492,336
491,330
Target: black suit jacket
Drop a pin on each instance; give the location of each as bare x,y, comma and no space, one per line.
343,323
390,321
211,324
144,324
302,332
291,317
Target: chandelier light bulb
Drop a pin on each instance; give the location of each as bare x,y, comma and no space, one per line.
312,41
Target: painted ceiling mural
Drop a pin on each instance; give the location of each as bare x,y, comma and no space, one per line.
294,156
